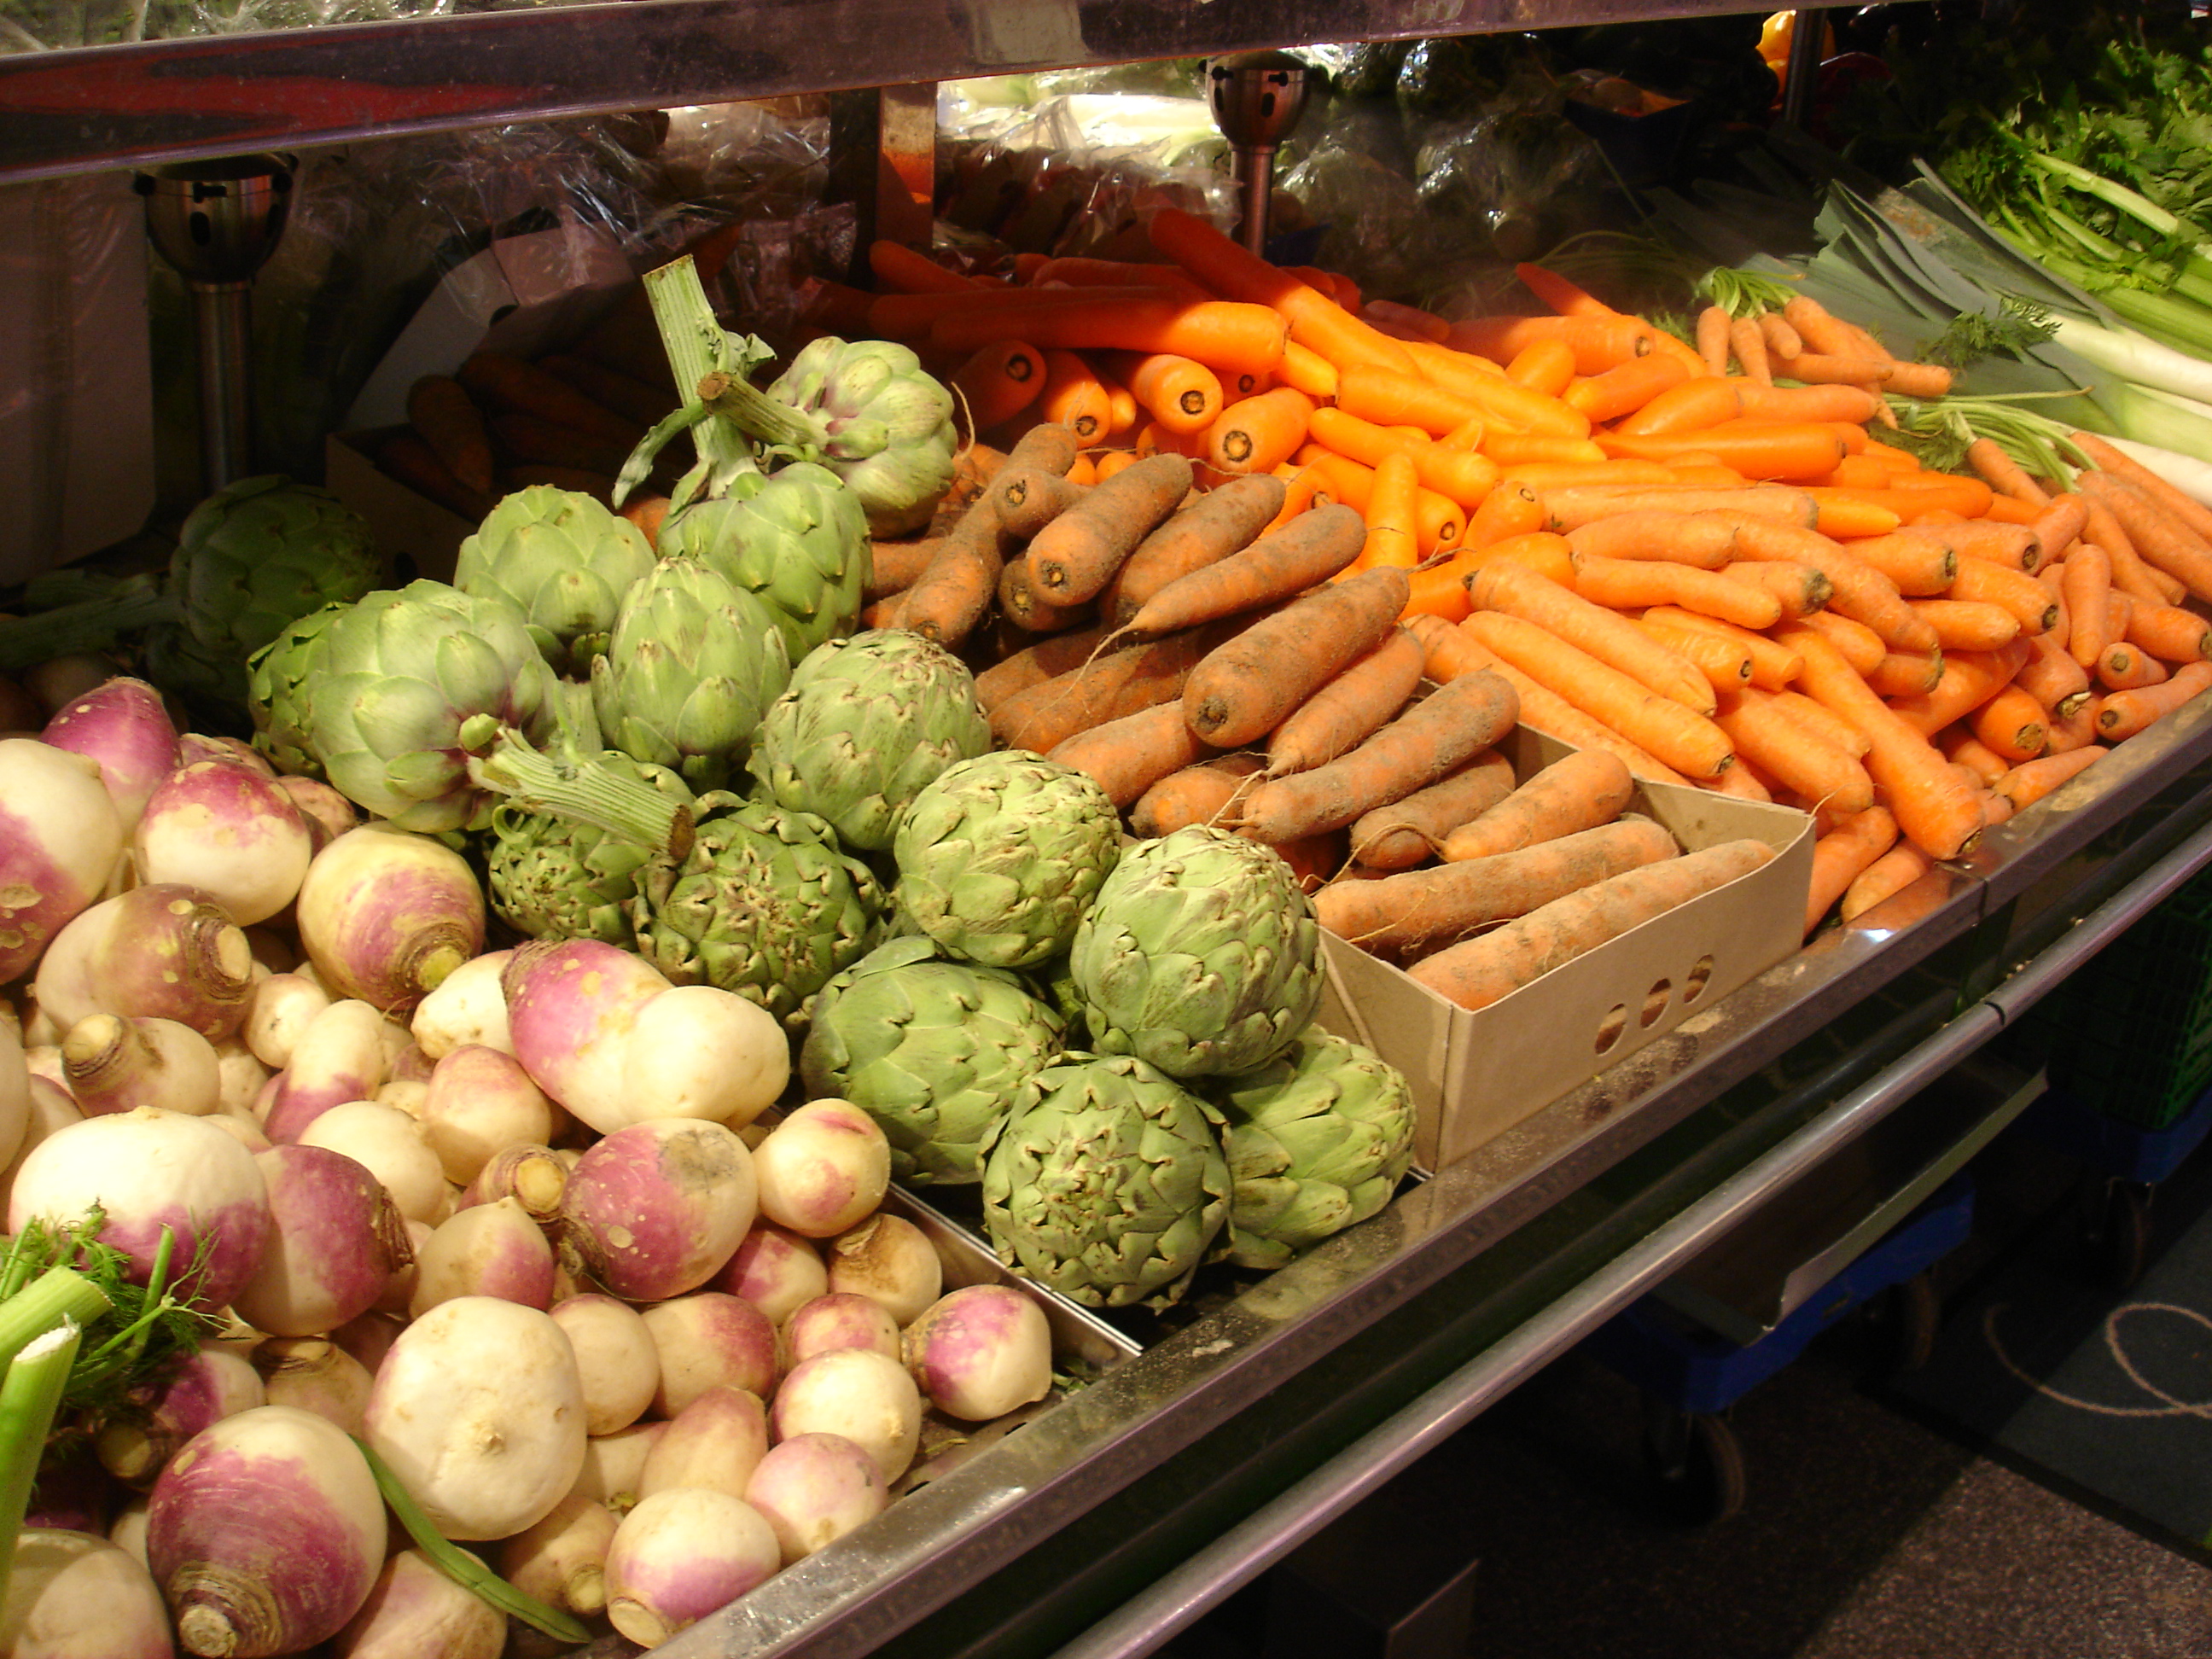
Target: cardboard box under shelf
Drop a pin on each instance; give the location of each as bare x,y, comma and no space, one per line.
414,534
1475,1074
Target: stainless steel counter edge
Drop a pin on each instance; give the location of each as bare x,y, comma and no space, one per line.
949,1536
84,109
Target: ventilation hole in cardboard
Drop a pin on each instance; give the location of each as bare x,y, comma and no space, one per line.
1699,977
1654,1001
1609,1030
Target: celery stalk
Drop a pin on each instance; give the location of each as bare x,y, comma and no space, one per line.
29,1396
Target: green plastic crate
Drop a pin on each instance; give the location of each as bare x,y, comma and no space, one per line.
2130,1032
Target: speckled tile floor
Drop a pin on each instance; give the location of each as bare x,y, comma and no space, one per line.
1866,1533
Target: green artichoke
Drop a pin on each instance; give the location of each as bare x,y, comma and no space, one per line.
933,1050
693,663
1106,1182
565,562
886,427
1200,954
864,724
796,539
279,678
398,676
999,857
763,904
551,877
1317,1139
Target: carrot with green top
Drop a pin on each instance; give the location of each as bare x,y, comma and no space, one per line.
1603,634
1432,738
1486,970
1418,911
1403,833
1245,688
1577,792
2003,474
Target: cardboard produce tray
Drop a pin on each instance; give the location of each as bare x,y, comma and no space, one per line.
1474,1075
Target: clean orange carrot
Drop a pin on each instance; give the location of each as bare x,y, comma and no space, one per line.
1782,338
1367,693
1183,396
1885,878
1486,970
1798,589
1773,665
2116,461
1228,517
2012,723
1693,405
1706,540
1075,556
1432,738
1580,791
1317,322
1726,664
1790,451
1677,734
1084,470
1392,507
1821,721
1389,399
2125,667
1245,688
2169,632
1403,321
1452,650
1438,523
1219,332
2120,714
1603,634
2130,574
1625,387
1858,591
1075,398
2084,583
1539,550
1935,809
2059,521
1964,748
1308,550
913,316
1308,371
1111,461
1625,584
1919,562
1967,624
1841,854
1862,646
2051,676
1712,331
1401,833
1994,584
1458,475
2031,780
1571,507
1418,911
1510,449
2003,474
1205,793
1129,755
1260,433
1546,365
1501,401
2163,540
1562,293
998,381
1598,343
899,269
1902,674
1781,747
1970,679
1748,341
1084,271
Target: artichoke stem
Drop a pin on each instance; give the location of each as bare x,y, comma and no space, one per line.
755,412
582,791
86,625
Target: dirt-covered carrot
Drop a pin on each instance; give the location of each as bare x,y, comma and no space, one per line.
521,438
949,598
1678,735
1230,516
1781,748
895,566
1206,792
2031,780
404,455
1030,497
1841,854
1625,584
1365,696
1405,832
1036,662
1418,911
1486,970
1428,741
447,418
1577,792
1129,755
1076,555
1023,607
643,401
1602,634
1245,687
1308,550
1104,687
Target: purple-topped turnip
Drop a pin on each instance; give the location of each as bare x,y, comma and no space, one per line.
229,830
813,1489
160,949
59,838
656,1208
981,1351
386,915
124,726
335,1239
72,1595
679,1555
823,1169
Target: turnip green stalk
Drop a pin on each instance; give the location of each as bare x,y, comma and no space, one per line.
464,1568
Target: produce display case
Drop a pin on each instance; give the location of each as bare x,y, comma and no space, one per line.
1239,1428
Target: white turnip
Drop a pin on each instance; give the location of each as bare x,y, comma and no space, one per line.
114,1063
615,1358
478,1100
368,1337
705,1340
264,1533
839,1320
488,1250
716,1441
979,1352
700,1051
774,1269
562,1561
335,1239
386,916
338,1057
823,1169
283,1007
127,1532
229,830
73,1595
59,836
612,1463
415,1610
201,1389
888,1258
469,1005
14,1092
813,1489
867,1397
124,726
657,1208
479,1411
150,1171
387,1140
316,1375
679,1555
240,1075
159,949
